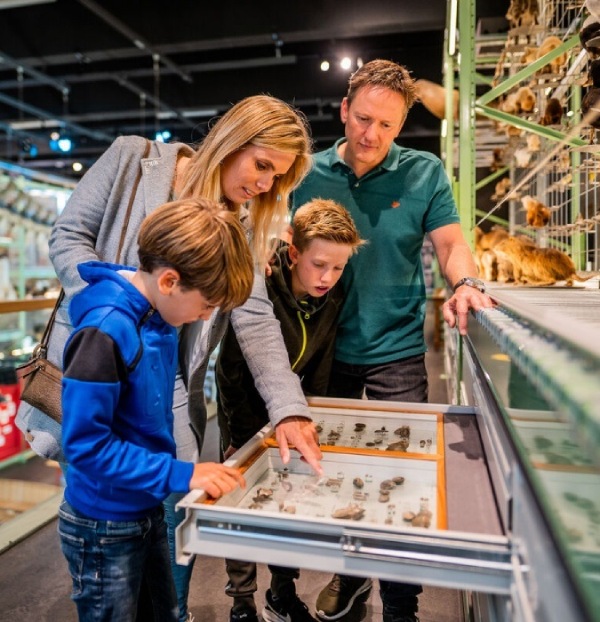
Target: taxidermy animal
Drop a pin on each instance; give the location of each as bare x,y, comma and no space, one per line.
485,257
537,266
538,215
433,97
590,104
522,13
553,112
533,143
593,6
523,157
497,159
551,43
502,187
589,35
522,100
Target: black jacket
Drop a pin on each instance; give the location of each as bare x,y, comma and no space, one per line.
308,327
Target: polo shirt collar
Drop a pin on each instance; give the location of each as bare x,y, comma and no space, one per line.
389,164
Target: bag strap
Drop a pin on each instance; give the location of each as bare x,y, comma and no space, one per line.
42,347
136,183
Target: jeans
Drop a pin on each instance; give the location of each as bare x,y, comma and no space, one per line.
120,569
404,380
182,575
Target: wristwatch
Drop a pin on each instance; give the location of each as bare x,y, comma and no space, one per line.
471,281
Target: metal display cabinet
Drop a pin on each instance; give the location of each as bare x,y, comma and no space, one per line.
533,364
467,546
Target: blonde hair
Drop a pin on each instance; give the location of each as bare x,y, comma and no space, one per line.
383,74
263,121
324,219
206,243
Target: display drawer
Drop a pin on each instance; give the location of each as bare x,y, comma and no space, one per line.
423,513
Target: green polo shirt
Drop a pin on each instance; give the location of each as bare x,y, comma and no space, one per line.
393,206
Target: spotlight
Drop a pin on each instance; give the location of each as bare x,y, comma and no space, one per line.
346,63
162,137
77,166
60,142
65,144
325,65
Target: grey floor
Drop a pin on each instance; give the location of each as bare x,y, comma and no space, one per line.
34,584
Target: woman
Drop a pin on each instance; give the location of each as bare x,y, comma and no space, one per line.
251,159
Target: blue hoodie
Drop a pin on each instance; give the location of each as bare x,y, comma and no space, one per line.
119,372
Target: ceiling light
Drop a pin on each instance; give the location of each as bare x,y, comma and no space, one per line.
77,166
346,63
325,65
65,144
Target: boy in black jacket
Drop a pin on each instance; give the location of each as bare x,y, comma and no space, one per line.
307,299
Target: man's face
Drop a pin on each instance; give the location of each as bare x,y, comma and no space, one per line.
373,119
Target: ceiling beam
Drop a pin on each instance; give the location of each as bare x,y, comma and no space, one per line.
134,37
38,76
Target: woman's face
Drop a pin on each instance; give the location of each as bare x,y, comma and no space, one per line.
253,170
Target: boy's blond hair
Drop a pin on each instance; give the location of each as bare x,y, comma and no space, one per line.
205,243
324,219
386,74
262,121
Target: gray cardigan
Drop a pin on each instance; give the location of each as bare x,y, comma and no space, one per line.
90,227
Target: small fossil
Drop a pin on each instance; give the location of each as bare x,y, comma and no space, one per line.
422,443
422,519
319,428
286,485
378,441
263,494
358,482
384,496
389,520
401,445
332,481
387,484
255,506
352,511
333,435
403,431
289,509
408,516
359,427
359,495
370,444
398,480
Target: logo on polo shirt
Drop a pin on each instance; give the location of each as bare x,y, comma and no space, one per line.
395,204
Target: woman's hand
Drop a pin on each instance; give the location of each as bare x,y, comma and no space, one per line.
300,433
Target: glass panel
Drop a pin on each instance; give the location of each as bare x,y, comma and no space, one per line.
543,383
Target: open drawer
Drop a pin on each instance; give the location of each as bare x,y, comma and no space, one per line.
406,496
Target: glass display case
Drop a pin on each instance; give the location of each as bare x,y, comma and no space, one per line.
420,512
534,361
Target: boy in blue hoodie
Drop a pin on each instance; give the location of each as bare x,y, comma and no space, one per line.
119,370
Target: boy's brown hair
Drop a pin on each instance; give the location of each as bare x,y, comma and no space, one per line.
205,243
386,74
324,219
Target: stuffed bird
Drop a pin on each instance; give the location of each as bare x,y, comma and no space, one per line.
590,104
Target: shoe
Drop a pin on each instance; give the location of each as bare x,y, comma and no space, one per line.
404,618
243,615
336,598
280,610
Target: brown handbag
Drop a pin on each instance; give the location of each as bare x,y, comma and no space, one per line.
41,380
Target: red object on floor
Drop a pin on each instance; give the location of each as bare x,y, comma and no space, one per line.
11,439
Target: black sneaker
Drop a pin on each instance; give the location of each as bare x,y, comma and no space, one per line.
288,610
338,596
243,615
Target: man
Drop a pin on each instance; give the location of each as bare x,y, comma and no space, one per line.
396,196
